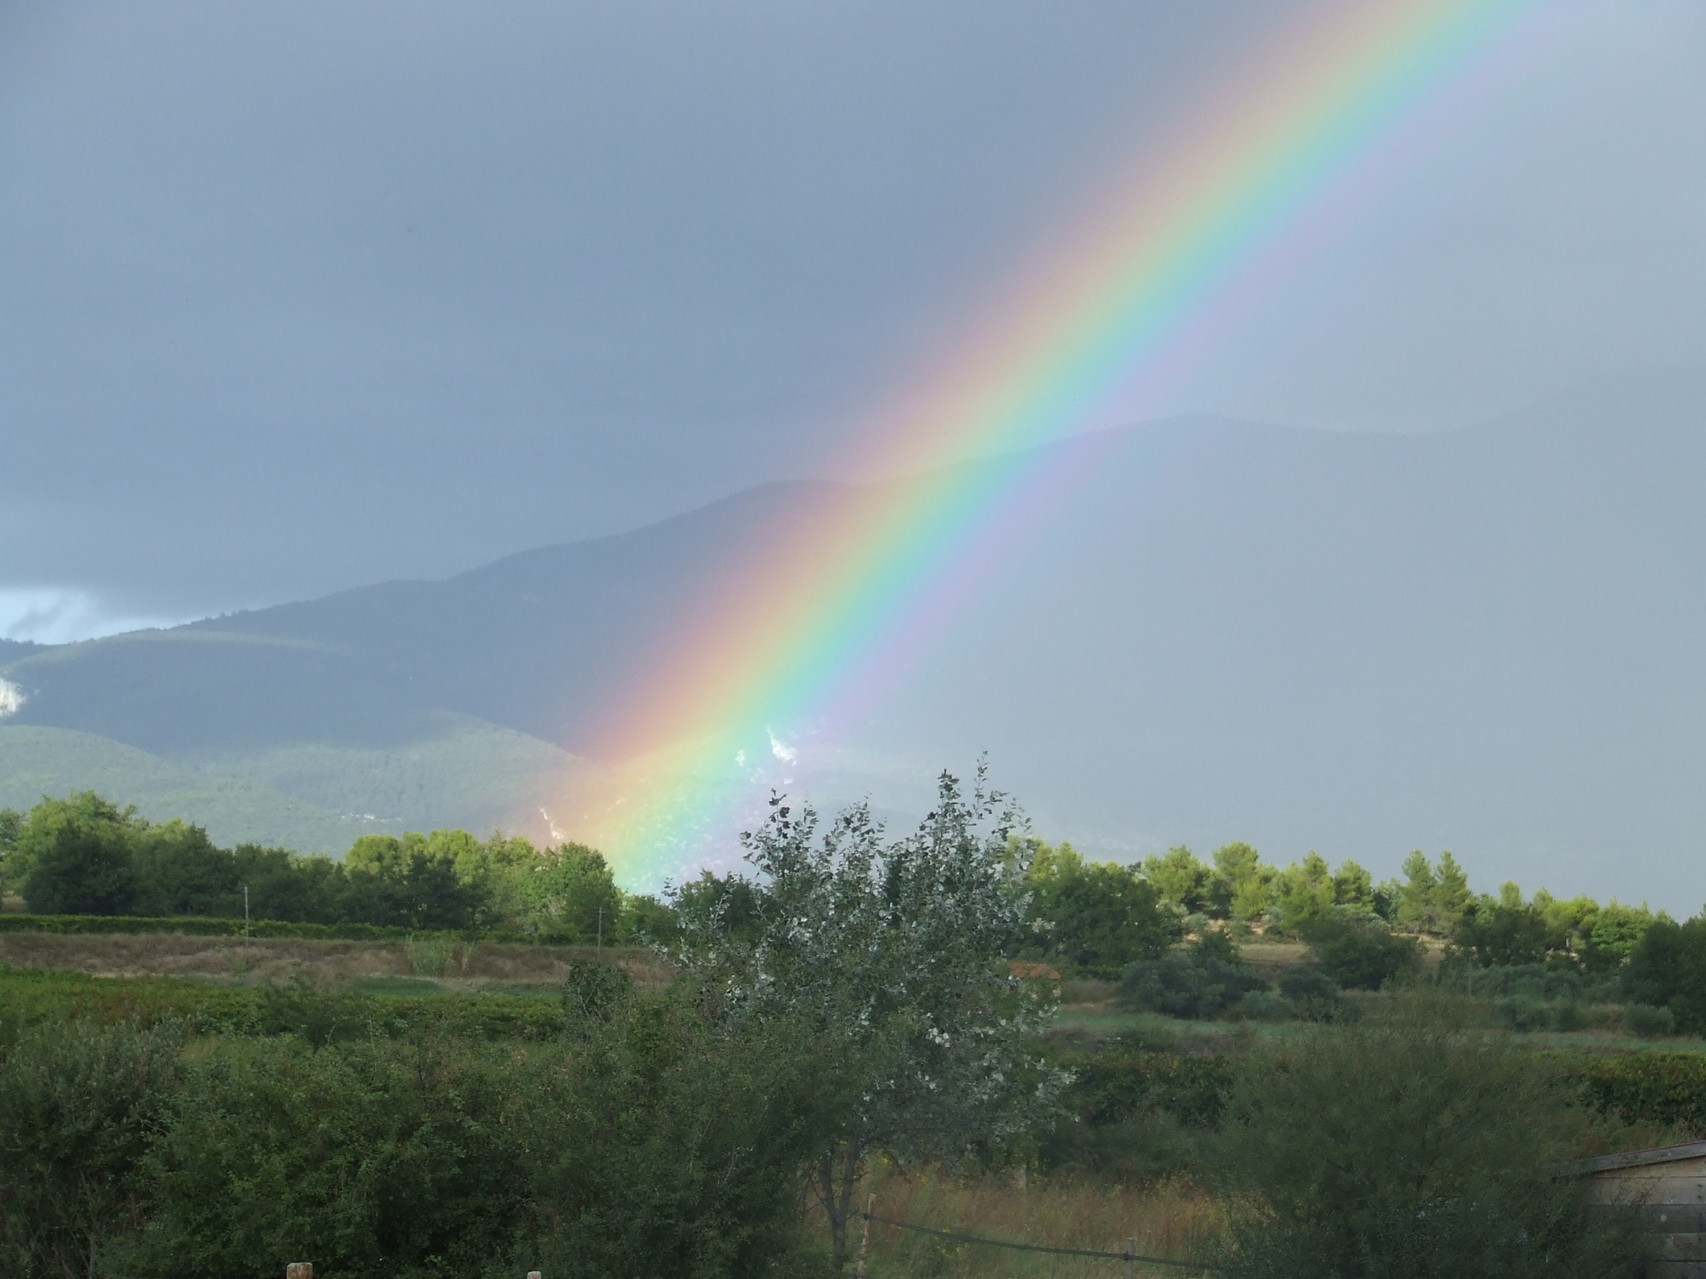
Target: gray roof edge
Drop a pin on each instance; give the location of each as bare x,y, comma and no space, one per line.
1638,1158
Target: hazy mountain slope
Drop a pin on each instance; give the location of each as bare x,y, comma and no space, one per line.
37,761
468,773
1487,639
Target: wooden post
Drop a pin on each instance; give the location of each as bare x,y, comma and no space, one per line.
299,1270
865,1239
1130,1257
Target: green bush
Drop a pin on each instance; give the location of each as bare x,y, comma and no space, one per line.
1361,954
1118,1083
1203,981
1264,1005
1525,1013
1667,968
1314,995
377,1157
1646,1021
594,992
1411,1145
1666,1089
32,996
77,1107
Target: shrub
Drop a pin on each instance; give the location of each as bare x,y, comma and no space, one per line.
1667,968
594,992
1667,1089
1361,954
1314,994
77,1105
1264,1005
1204,981
1525,1013
1411,1146
1646,1021
374,1158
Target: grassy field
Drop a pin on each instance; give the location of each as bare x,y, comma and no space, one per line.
1171,1218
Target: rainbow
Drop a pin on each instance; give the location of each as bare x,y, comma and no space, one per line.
1191,243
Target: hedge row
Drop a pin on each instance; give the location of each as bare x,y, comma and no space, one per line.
1110,1086
1665,1088
29,996
1650,1087
203,926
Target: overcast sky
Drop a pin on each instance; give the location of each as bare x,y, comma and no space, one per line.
296,296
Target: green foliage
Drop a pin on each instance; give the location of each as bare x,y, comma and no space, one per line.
1506,931
81,869
892,954
1181,880
1303,893
594,993
1432,899
1202,981
1122,1081
30,997
728,906
576,893
673,1146
1314,994
77,1107
1646,1022
1360,952
1353,887
1663,1089
11,870
1411,1146
1668,968
372,1158
1095,915
1613,933
1243,883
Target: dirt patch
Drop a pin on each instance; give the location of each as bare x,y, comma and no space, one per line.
279,960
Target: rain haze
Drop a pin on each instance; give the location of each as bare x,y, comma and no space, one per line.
296,298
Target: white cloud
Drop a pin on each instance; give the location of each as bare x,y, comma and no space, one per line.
11,698
780,749
61,615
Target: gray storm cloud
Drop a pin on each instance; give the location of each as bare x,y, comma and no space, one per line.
298,296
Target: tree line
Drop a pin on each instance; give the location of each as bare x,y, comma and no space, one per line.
83,854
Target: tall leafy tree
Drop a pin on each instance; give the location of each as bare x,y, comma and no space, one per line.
179,871
11,825
576,892
1181,879
1095,914
84,869
892,952
1243,883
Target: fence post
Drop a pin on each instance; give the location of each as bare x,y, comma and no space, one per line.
299,1270
534,1274
865,1239
1130,1256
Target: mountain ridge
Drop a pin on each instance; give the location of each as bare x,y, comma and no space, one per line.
1481,638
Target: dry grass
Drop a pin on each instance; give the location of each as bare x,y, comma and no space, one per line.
1170,1219
278,961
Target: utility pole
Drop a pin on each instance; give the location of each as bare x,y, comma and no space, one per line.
245,916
